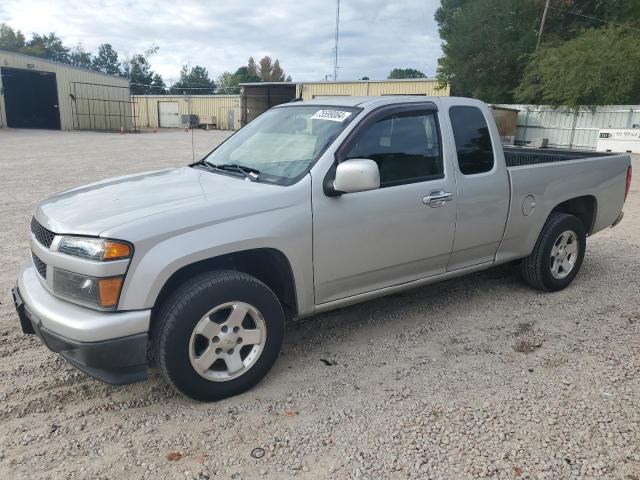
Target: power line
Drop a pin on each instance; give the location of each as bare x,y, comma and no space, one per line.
593,18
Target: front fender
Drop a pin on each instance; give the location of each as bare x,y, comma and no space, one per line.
287,228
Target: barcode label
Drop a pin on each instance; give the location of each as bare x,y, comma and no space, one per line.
333,115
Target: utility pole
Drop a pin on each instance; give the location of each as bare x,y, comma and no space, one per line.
544,18
335,50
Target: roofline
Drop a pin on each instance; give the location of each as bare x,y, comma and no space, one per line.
251,84
390,80
65,65
329,82
182,96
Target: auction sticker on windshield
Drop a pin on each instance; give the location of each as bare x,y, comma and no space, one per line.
333,115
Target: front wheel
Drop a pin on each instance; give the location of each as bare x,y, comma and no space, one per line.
218,335
558,254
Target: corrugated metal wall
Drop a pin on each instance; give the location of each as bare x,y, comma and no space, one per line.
428,87
567,129
97,95
146,108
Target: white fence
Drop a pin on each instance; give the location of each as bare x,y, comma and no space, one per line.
567,129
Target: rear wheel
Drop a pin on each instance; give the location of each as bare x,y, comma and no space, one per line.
558,254
218,335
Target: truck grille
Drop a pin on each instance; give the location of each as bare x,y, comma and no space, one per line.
44,236
41,267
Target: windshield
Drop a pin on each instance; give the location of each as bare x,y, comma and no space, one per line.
283,143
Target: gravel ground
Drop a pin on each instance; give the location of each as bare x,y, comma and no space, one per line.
472,378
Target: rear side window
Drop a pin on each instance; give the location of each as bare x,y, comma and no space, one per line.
473,142
406,147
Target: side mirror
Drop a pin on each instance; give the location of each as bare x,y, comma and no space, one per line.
356,175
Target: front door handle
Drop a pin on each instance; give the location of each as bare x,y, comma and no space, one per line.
437,198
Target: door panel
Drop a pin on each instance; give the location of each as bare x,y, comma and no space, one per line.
370,240
168,114
31,98
483,188
400,232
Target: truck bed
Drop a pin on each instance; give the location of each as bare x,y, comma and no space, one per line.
546,178
519,156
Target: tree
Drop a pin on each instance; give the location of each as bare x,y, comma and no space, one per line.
229,83
195,81
138,70
46,46
106,61
79,57
11,40
225,82
269,71
486,45
599,67
157,87
398,73
252,67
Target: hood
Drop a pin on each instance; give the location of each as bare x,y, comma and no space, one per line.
94,208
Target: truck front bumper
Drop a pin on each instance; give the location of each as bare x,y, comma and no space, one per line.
109,346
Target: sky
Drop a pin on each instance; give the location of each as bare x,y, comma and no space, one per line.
375,35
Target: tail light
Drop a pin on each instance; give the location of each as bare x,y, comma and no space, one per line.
626,191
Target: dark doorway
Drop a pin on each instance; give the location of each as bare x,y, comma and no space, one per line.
31,99
257,98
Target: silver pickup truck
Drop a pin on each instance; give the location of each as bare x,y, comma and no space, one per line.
312,206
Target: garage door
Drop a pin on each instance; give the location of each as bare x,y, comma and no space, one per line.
168,114
30,98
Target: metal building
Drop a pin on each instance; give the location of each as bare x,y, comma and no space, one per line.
166,111
258,97
39,93
365,88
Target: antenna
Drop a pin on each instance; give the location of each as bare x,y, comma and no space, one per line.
335,49
187,99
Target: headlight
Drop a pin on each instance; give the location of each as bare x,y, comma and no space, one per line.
98,249
101,293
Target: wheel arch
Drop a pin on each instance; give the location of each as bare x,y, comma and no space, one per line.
584,207
268,265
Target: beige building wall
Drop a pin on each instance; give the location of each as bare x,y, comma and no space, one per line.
220,106
95,101
427,87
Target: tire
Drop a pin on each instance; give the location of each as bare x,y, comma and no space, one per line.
205,320
545,269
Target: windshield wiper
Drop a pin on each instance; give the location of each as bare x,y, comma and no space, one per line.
248,172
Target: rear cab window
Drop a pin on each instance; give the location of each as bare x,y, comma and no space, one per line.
473,140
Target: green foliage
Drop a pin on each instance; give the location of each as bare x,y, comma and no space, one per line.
79,57
195,81
144,81
265,71
246,75
11,40
398,73
106,61
49,47
270,71
599,67
486,45
490,44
